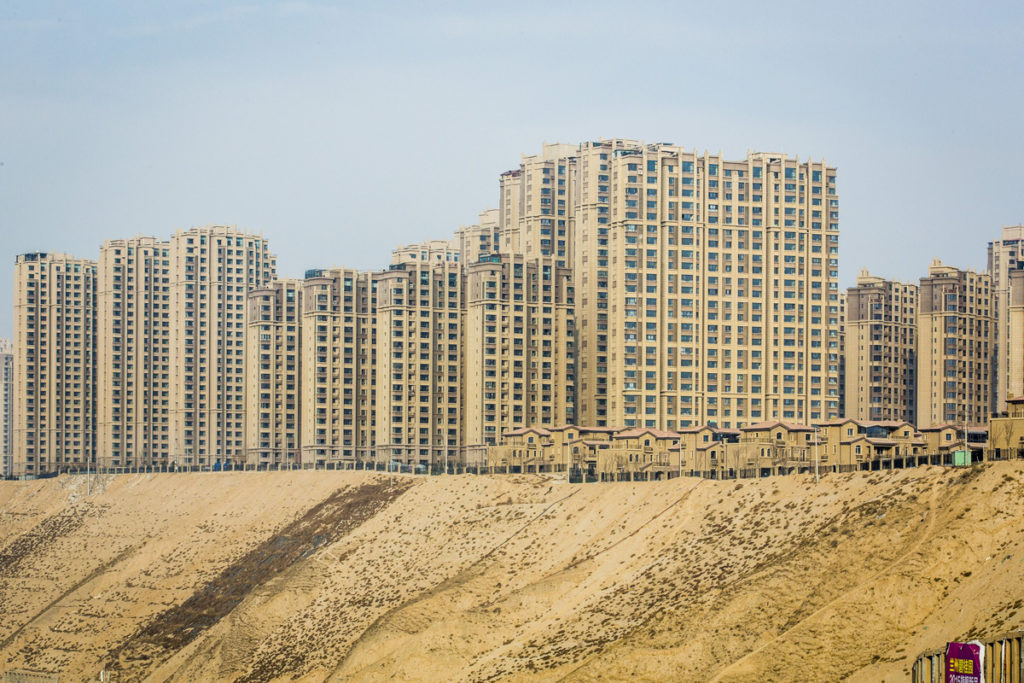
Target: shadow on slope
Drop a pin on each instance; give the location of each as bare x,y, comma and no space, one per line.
324,523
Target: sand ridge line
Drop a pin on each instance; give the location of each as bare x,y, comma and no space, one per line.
123,555
922,537
575,563
458,579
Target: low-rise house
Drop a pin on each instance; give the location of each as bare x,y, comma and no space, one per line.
775,447
847,443
1006,433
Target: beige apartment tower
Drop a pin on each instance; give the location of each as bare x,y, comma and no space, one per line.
6,407
419,326
536,205
133,353
54,363
881,350
954,350
273,371
1005,257
518,348
1014,338
707,289
482,239
339,355
212,270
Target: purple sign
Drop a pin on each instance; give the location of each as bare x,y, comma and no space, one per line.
964,662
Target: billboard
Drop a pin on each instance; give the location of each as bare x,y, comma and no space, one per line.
964,662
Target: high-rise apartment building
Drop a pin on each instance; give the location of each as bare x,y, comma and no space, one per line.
133,353
429,252
54,363
339,355
482,239
509,193
6,407
536,205
1013,340
1005,256
419,329
212,270
518,347
881,349
273,372
954,351
705,287
841,320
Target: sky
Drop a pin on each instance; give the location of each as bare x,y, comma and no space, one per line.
340,130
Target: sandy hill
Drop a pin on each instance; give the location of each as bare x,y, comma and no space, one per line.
319,576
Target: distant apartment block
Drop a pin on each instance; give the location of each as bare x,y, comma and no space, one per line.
518,347
339,356
212,270
955,349
617,285
419,333
881,349
54,362
1013,343
273,370
6,407
705,288
1005,258
133,353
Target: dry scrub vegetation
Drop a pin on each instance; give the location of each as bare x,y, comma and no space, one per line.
319,576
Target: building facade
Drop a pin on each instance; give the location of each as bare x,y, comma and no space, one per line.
339,375
482,239
955,348
419,333
706,288
1005,257
881,350
1012,328
212,270
518,347
273,372
6,407
133,353
54,363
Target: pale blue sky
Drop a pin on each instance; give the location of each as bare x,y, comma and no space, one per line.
341,131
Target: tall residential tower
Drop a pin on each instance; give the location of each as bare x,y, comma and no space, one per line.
706,289
54,363
954,349
881,349
212,269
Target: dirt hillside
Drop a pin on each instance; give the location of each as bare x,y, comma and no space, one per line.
318,576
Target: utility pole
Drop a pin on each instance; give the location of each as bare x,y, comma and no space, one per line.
680,474
817,438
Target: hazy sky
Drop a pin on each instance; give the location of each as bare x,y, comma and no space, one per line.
343,131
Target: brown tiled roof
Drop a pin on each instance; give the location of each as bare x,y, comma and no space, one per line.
695,429
839,421
640,431
791,426
937,428
524,430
